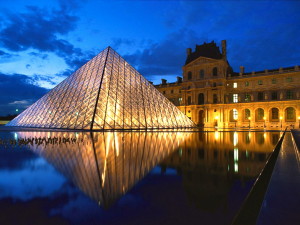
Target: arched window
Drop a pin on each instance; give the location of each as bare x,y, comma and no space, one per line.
260,113
189,75
246,114
215,71
274,115
290,114
201,73
233,115
201,99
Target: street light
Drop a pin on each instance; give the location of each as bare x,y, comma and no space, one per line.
281,122
264,122
249,118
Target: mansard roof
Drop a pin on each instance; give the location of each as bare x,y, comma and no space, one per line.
209,50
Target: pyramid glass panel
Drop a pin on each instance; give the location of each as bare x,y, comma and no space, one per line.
104,94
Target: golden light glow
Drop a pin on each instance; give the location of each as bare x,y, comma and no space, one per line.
217,135
249,118
126,100
264,118
216,117
281,117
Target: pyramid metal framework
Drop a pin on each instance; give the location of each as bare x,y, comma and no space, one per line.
105,165
104,94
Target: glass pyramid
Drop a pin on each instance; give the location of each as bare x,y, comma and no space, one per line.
104,94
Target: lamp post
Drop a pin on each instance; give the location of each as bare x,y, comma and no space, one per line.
281,122
264,122
249,118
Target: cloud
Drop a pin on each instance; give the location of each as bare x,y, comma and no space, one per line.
40,55
22,102
165,57
4,56
18,88
42,30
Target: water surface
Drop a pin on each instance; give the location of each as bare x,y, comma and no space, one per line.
128,177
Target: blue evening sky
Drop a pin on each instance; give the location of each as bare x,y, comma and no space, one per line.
42,41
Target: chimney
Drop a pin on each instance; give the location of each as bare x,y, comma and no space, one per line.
188,51
163,81
224,52
242,70
179,79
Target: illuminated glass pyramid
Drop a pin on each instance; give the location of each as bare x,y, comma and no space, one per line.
104,94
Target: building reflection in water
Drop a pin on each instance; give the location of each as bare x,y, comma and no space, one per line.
211,163
107,165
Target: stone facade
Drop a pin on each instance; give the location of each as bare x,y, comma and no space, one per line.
212,95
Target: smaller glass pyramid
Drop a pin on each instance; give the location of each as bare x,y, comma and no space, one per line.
104,94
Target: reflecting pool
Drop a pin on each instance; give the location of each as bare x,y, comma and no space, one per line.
128,177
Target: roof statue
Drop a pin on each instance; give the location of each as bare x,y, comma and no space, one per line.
104,94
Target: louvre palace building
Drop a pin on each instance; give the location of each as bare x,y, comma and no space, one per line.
212,95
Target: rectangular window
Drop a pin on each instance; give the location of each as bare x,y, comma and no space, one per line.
235,114
234,85
215,98
235,98
247,83
274,95
259,82
189,100
260,96
289,94
289,79
247,97
274,81
172,91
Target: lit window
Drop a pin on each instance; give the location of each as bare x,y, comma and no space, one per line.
247,83
235,98
274,81
235,114
260,114
260,82
234,85
289,79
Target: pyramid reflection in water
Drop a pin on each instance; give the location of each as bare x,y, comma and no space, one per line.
106,93
106,165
